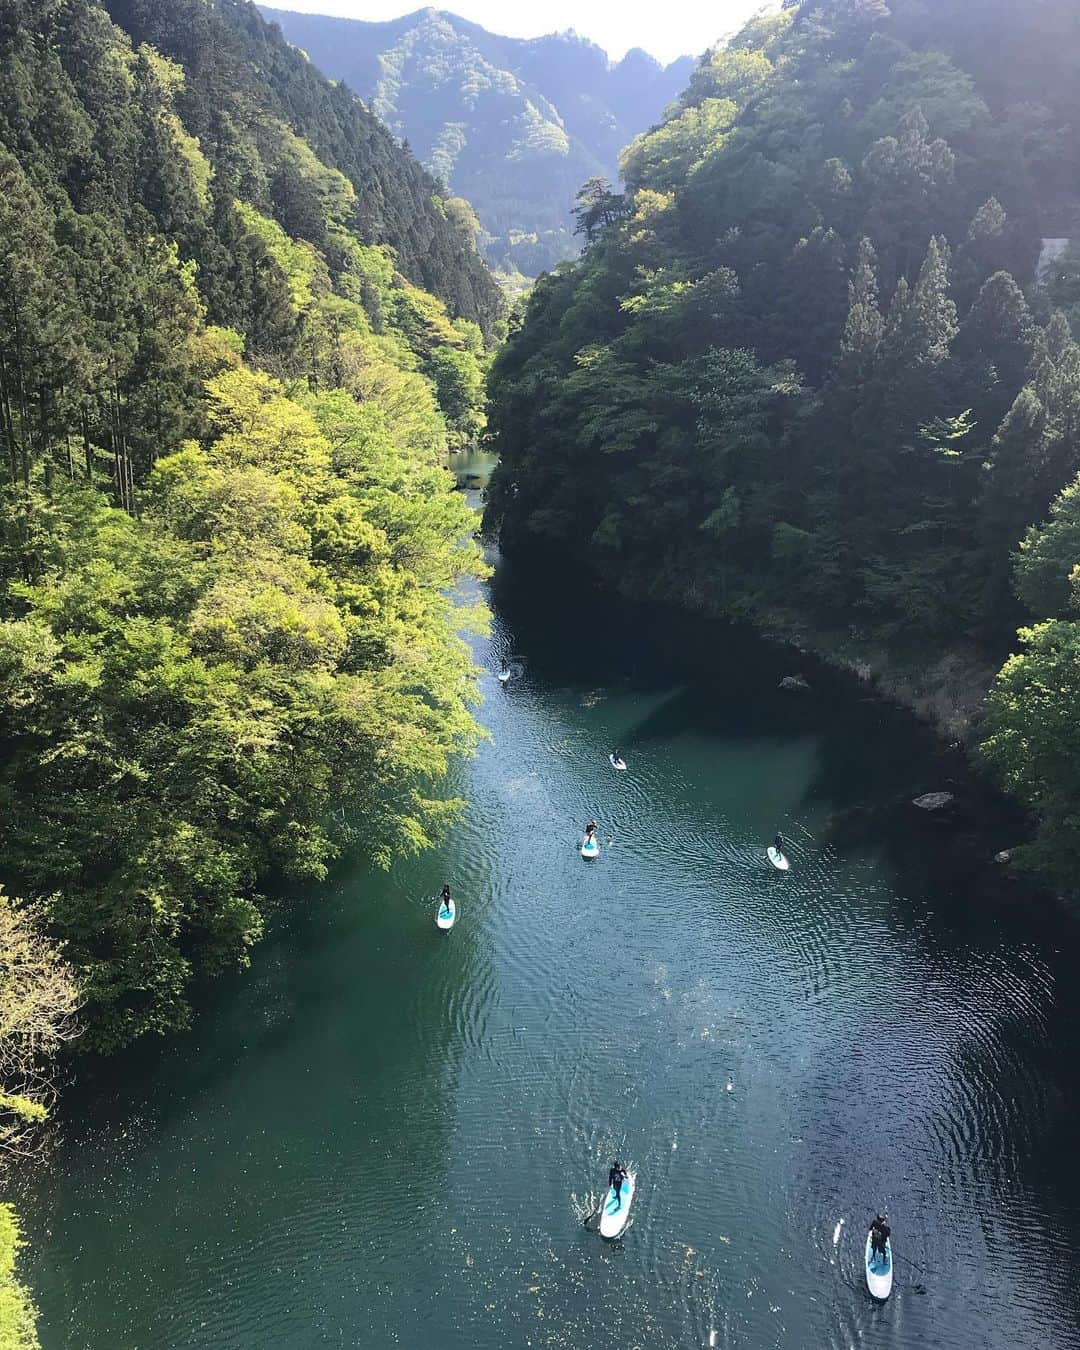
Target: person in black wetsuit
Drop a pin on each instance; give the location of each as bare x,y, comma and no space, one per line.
879,1235
445,898
778,842
590,831
616,1176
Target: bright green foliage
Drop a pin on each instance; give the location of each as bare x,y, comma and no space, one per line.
665,157
1030,739
298,260
18,1317
227,645
1031,742
730,73
1049,556
255,675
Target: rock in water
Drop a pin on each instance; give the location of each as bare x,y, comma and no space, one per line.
797,682
933,801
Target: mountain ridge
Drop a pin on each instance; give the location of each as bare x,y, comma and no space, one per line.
515,125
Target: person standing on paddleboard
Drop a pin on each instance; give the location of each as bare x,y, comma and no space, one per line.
879,1235
778,842
590,831
616,1177
445,897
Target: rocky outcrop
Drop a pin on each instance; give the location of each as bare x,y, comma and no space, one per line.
933,801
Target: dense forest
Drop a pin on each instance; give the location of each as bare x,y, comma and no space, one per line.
810,371
818,366
514,125
240,332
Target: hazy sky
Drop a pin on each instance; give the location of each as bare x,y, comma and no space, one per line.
666,30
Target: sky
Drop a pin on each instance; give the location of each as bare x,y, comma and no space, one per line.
677,28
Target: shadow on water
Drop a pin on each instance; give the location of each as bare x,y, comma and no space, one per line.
280,1114
721,683
872,757
377,1135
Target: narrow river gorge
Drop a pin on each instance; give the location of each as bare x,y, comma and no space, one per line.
381,1136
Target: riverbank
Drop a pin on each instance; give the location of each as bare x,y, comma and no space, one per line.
463,1095
943,689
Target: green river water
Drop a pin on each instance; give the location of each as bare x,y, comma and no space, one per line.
382,1136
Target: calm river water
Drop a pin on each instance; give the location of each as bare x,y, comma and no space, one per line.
380,1136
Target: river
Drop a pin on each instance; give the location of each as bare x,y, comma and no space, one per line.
382,1136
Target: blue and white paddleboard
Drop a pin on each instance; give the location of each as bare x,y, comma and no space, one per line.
777,859
504,675
590,848
879,1269
619,764
445,916
616,1212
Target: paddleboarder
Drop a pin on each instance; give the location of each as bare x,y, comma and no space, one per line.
616,1176
879,1235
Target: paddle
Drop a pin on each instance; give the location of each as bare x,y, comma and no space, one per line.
900,1257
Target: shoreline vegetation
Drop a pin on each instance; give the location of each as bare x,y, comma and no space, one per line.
227,528
944,687
809,372
816,370
241,334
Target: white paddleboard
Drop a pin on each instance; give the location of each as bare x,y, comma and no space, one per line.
504,675
590,848
879,1270
777,859
445,917
616,1213
619,764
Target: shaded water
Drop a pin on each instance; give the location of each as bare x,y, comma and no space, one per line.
382,1136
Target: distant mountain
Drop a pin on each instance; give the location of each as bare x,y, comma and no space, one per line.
516,126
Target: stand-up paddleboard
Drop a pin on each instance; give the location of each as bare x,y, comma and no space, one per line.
590,848
619,764
504,675
777,859
879,1269
445,916
616,1212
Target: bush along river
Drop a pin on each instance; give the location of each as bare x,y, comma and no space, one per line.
383,1135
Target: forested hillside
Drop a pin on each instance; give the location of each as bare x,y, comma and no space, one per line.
226,527
806,370
515,126
246,91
